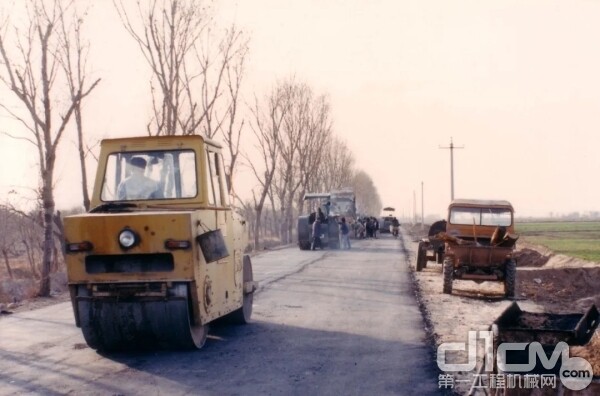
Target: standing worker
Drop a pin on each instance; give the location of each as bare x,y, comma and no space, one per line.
321,215
369,227
316,235
344,234
395,227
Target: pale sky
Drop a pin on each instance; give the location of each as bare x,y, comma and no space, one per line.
517,83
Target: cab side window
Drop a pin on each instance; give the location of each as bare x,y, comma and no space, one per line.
222,179
215,186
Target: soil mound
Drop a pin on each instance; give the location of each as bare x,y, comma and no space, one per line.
528,257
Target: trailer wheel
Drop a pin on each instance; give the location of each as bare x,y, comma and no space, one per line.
448,269
510,278
421,257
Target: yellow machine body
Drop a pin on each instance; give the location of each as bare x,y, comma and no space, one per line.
174,256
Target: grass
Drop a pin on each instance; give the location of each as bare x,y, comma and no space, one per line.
579,239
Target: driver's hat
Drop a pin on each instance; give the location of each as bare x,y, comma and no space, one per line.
139,162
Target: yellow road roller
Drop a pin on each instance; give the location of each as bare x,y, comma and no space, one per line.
161,253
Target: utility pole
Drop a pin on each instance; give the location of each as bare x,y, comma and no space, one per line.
452,147
422,209
414,207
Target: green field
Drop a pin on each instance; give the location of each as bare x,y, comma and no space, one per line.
579,239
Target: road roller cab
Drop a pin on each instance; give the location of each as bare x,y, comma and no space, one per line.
161,254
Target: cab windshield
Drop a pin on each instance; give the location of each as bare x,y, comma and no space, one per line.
150,175
343,207
481,216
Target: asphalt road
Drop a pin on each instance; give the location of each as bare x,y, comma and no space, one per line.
325,323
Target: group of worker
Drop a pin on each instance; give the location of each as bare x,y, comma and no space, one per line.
317,231
366,227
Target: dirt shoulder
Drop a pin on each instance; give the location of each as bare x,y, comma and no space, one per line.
545,283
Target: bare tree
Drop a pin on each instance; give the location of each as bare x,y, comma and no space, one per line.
338,165
8,238
274,195
74,63
30,234
368,201
221,75
197,70
266,127
296,125
168,31
189,63
315,145
31,76
233,125
307,156
304,134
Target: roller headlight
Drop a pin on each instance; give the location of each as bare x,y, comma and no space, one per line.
127,239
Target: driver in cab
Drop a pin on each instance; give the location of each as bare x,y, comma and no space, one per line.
137,185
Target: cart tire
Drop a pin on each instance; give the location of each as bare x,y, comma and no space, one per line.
510,278
440,256
421,257
448,269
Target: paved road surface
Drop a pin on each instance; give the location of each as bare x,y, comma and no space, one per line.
325,322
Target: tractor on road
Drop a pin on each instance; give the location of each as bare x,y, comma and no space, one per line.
330,233
334,205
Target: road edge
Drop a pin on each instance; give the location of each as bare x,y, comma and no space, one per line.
430,336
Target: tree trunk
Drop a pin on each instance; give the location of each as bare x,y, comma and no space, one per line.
282,236
267,224
257,228
48,245
7,262
60,234
84,183
289,218
290,228
272,227
31,259
54,259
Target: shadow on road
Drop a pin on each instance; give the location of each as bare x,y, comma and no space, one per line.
374,250
339,327
271,358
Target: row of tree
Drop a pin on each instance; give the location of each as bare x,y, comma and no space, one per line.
21,236
198,72
300,153
43,66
